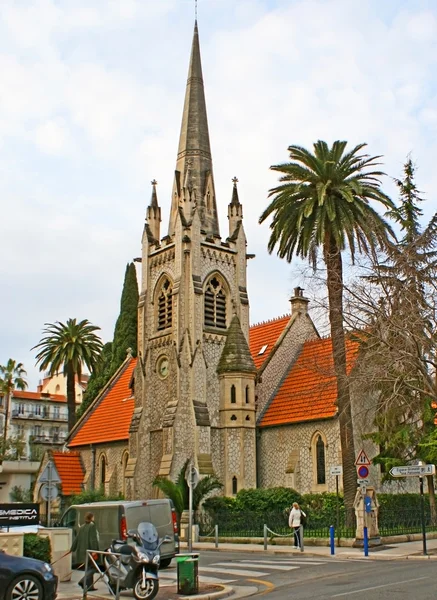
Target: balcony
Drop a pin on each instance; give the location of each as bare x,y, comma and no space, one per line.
45,416
47,439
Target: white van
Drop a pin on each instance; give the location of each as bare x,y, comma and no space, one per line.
114,519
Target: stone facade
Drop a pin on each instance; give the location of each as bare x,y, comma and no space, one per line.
105,467
193,283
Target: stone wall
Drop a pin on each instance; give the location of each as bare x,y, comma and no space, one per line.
288,449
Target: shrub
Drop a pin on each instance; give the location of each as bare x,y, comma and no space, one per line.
219,504
38,547
264,500
94,496
400,503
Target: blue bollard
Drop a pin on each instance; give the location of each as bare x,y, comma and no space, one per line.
366,543
332,539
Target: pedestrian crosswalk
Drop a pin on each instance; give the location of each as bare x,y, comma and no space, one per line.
229,571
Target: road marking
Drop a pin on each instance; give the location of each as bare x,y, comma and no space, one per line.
258,565
377,587
269,585
239,572
285,562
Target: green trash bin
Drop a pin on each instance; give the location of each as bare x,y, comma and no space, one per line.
187,573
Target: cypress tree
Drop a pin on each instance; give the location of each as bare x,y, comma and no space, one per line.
126,328
98,379
125,336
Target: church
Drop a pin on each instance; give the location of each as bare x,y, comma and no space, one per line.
254,405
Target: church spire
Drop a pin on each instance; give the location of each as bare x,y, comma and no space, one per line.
194,184
154,214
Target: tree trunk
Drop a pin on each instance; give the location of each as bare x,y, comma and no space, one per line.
71,398
335,295
431,493
5,426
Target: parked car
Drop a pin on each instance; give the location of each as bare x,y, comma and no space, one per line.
26,578
114,519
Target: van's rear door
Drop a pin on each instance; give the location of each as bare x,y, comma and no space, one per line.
136,513
160,511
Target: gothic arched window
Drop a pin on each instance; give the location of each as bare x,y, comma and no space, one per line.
234,486
233,394
165,305
215,304
320,461
124,462
102,471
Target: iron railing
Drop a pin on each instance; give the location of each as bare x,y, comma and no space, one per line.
250,524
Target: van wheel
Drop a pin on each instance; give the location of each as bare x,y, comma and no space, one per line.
147,592
165,562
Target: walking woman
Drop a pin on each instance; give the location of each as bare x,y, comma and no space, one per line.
294,521
87,539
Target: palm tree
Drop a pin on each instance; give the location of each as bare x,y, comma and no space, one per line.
323,202
178,491
12,377
69,346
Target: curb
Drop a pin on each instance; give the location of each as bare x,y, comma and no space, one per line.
224,593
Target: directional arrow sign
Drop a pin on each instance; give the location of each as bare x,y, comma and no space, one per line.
412,471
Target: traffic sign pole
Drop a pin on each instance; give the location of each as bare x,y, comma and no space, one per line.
49,466
422,516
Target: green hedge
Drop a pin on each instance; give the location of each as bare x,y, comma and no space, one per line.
258,501
38,547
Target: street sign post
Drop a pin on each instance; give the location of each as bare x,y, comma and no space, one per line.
362,459
338,472
412,471
49,491
363,471
50,474
416,471
192,478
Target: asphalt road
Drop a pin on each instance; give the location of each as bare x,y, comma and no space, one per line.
309,578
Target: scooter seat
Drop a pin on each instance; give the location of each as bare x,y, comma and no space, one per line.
123,549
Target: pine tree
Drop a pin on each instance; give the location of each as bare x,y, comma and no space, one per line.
126,328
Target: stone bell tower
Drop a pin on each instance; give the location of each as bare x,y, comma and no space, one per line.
193,287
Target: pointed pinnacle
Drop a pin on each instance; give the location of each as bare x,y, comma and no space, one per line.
154,200
235,200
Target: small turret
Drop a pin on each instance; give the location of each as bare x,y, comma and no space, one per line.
235,210
154,213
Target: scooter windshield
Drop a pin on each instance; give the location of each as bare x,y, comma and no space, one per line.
148,535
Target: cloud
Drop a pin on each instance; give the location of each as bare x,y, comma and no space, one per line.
90,109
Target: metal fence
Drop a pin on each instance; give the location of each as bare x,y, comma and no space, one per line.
251,524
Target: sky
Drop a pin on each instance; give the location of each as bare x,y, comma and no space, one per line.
91,99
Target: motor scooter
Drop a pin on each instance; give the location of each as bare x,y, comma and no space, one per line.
138,566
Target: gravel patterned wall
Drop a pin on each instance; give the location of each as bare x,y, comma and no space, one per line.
277,445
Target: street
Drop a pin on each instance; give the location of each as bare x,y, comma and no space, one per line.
303,578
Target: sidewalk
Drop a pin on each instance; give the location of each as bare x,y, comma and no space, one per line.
393,550
167,588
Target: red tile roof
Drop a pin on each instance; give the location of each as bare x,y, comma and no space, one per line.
38,396
264,334
70,470
110,419
309,391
